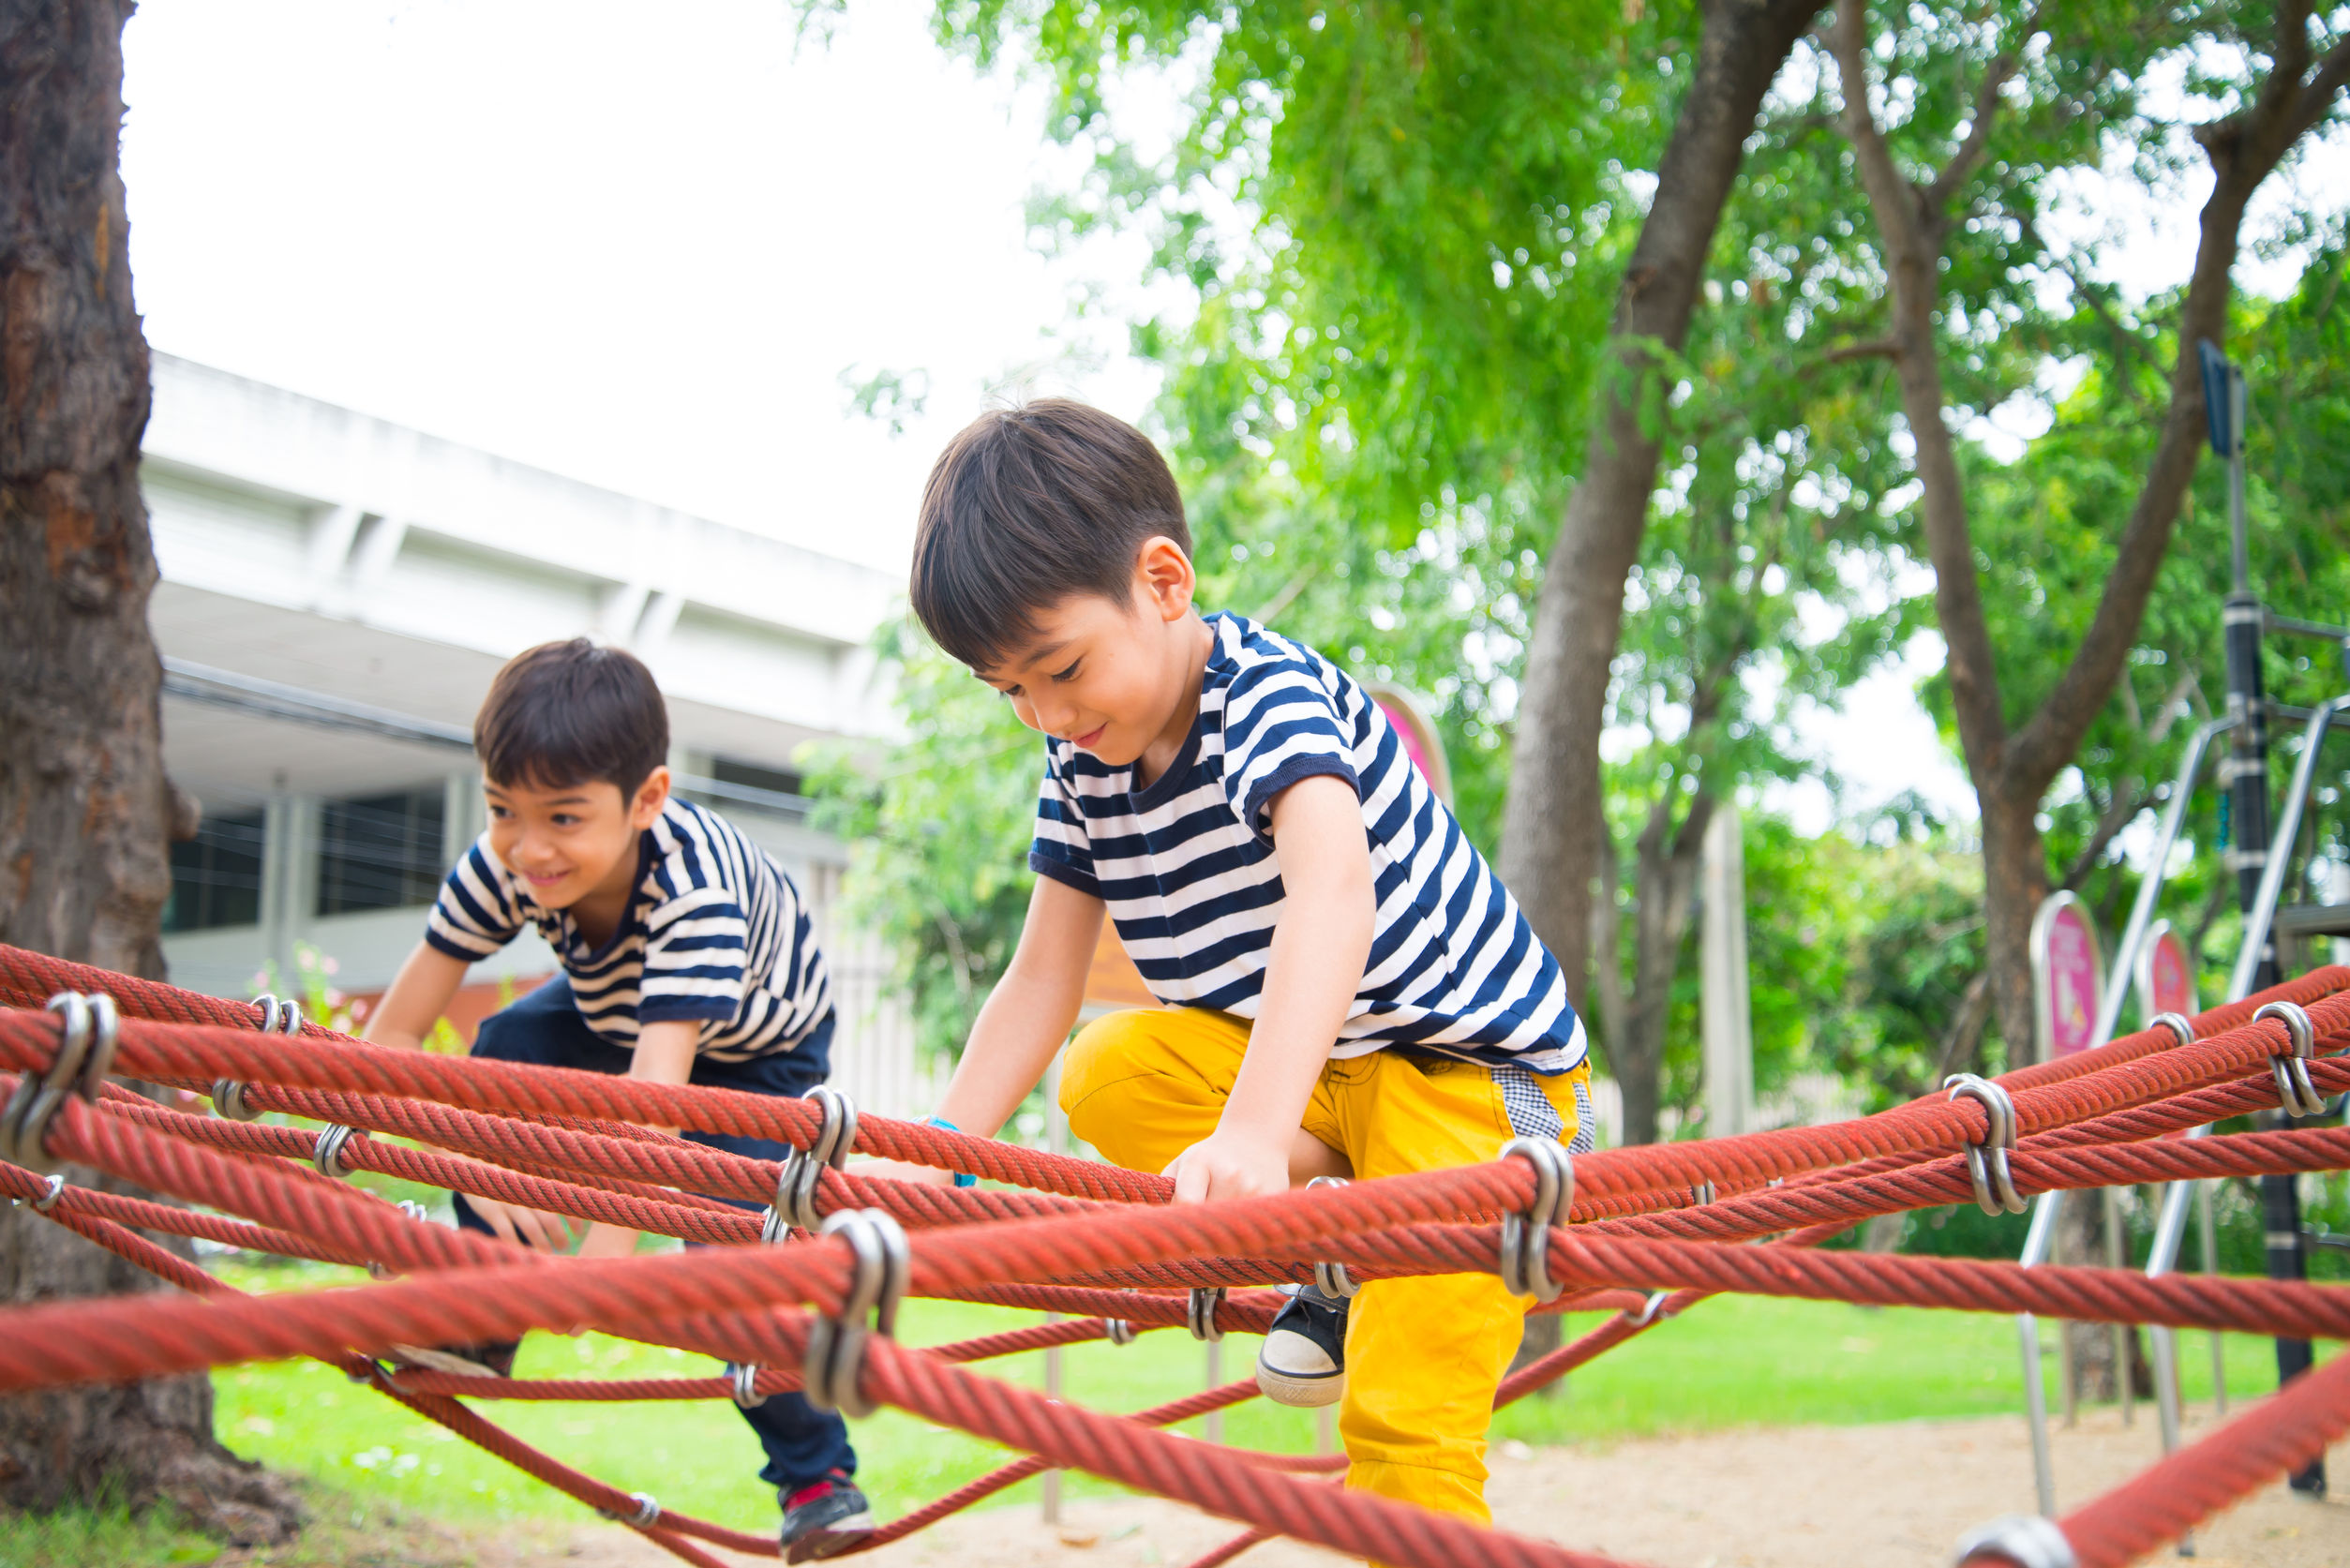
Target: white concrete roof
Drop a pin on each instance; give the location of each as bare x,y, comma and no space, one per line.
305,544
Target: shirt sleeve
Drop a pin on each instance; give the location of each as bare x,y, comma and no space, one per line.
1279,726
697,953
1061,851
476,913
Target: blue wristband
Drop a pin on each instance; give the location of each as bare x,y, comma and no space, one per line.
962,1178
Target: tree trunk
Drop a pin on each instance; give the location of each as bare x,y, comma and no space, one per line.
85,809
1665,880
1551,825
2012,768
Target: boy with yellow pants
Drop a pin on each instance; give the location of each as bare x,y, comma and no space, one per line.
1348,989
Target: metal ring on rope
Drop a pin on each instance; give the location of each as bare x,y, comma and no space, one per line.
647,1515
1525,1262
2181,1027
2294,1091
1702,1195
1200,1316
1332,1279
1117,1330
836,1346
743,1379
795,1189
279,1017
2026,1540
86,1055
1655,1303
48,1200
1987,1161
328,1156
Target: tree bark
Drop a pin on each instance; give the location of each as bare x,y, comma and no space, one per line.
1551,824
2012,768
85,808
1665,879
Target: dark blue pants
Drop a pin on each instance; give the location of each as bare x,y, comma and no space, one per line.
545,1028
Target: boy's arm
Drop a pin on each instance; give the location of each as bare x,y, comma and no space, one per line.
1320,947
1024,1020
664,1054
419,995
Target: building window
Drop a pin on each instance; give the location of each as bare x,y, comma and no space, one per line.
747,787
381,851
216,875
750,775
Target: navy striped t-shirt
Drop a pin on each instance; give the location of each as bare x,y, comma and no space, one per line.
716,933
1189,870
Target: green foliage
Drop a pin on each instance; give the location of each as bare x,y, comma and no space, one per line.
939,834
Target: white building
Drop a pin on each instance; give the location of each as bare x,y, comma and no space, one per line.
337,593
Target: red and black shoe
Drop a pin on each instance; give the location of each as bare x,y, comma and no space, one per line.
825,1519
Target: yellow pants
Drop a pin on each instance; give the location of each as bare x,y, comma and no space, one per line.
1423,1355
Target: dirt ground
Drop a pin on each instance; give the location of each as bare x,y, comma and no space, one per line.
1817,1497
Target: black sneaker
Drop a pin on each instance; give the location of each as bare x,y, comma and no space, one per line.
825,1519
1304,1360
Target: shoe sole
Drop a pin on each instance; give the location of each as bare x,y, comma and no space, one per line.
831,1540
1301,1391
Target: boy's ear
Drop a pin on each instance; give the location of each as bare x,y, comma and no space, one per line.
651,797
1164,576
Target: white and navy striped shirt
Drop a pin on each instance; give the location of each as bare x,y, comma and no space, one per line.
1190,872
716,932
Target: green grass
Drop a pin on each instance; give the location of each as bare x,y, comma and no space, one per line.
380,1477
1732,1362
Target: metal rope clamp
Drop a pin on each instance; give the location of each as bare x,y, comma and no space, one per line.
2026,1540
2180,1026
277,1018
1987,1161
1200,1316
85,1056
2295,1092
836,1346
1525,1265
743,1379
328,1156
795,1189
1332,1279
647,1515
54,1189
1117,1330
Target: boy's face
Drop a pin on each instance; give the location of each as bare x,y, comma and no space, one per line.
1110,678
572,841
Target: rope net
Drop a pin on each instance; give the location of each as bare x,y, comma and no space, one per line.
1650,1232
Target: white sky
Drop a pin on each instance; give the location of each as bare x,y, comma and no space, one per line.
641,246
637,245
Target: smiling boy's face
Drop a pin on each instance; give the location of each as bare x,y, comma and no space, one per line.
565,842
1112,678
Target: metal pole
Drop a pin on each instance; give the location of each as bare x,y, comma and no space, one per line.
2208,1224
1055,1142
2123,1333
2258,881
2118,979
2036,1243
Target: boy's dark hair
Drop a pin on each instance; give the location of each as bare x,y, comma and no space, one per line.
1027,506
567,713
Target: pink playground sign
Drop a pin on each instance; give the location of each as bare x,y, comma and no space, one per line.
2067,972
2167,978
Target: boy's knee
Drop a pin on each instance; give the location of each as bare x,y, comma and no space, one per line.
1113,1046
